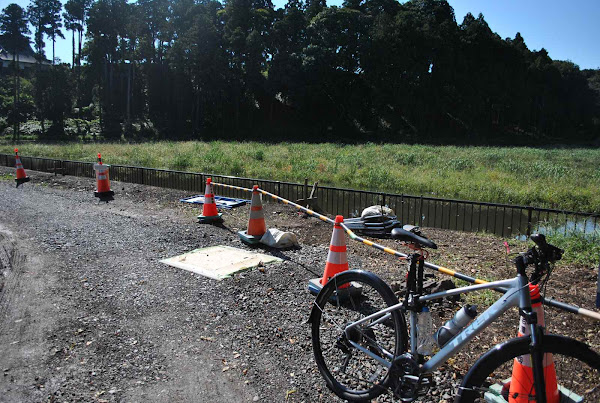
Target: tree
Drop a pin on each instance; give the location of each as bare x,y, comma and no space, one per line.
248,24
72,24
199,62
36,12
59,99
53,22
13,29
52,94
75,15
314,7
289,38
108,21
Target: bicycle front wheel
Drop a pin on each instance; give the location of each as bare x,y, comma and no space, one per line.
577,369
356,363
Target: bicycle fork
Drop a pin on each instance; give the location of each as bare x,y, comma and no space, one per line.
536,352
537,358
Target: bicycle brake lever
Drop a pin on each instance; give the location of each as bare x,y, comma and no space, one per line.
547,251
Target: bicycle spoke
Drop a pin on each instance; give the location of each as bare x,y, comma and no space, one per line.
355,358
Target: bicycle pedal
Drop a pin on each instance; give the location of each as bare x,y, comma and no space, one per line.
425,383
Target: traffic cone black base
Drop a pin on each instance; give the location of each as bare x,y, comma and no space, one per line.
341,295
202,219
249,239
21,181
105,196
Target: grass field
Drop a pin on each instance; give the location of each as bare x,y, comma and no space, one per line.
555,178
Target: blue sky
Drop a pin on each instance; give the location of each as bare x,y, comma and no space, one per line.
568,30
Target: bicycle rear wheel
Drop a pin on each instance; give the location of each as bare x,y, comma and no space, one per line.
351,373
577,373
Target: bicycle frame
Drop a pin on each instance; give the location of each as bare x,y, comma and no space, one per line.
516,295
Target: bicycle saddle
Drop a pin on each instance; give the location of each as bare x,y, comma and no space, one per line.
407,234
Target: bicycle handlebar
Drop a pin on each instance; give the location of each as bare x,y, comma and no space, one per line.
541,255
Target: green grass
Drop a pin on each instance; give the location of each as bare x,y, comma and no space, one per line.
578,248
554,178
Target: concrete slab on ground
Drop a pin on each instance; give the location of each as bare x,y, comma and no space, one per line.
219,262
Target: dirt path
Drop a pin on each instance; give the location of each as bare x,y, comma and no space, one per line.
87,312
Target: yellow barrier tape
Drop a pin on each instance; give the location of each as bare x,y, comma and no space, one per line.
356,237
440,269
231,186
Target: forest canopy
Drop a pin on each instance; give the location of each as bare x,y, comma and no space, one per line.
374,70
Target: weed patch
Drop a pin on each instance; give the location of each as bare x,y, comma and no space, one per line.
560,178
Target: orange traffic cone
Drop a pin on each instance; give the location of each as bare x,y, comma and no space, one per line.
521,387
256,224
209,208
103,191
337,262
21,176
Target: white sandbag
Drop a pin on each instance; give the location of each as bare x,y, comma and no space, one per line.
377,210
279,239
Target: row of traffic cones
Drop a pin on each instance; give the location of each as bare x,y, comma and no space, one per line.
103,191
256,224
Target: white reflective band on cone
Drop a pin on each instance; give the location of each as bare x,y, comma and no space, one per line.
337,257
101,168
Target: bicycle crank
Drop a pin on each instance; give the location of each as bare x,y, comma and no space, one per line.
407,383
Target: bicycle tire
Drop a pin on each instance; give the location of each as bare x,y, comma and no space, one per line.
388,339
572,359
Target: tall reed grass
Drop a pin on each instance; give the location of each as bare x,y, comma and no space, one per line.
554,178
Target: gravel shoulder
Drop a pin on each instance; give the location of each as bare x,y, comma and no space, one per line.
88,313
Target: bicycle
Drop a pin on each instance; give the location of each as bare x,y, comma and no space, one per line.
361,340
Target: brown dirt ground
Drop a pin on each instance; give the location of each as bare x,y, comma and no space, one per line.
478,255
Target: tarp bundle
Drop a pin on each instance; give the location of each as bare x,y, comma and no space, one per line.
375,221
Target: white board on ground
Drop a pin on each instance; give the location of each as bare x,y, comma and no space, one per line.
218,262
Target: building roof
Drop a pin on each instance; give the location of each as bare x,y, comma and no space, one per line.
27,56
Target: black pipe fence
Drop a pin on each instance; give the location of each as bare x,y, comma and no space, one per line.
462,215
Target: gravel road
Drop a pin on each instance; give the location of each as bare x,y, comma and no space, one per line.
88,313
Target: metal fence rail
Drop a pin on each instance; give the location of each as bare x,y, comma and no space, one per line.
462,215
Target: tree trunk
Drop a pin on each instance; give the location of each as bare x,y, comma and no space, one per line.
73,49
133,87
79,71
79,43
53,42
128,107
16,75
